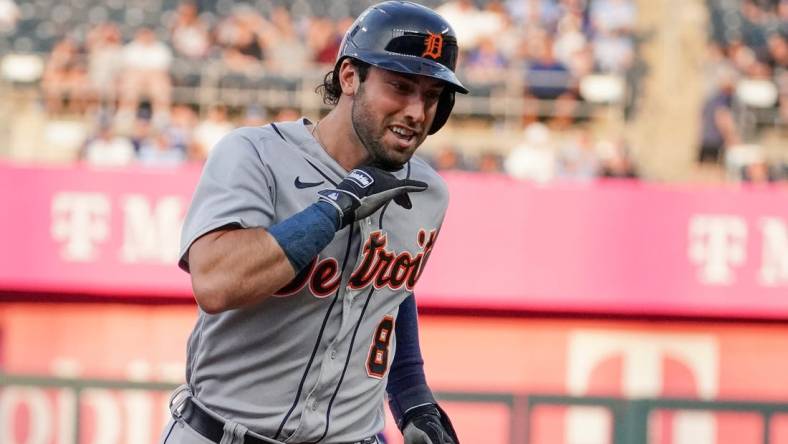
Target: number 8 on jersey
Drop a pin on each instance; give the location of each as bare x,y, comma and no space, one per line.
378,359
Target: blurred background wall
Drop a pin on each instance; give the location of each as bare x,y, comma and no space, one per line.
614,263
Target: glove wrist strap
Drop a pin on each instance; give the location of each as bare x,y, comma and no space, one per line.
343,202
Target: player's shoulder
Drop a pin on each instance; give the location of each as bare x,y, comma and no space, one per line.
258,136
258,141
241,139
421,170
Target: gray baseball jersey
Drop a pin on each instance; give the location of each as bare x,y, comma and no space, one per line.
309,364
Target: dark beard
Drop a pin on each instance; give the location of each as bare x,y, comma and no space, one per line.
362,126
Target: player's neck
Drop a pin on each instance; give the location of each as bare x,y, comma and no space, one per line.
335,134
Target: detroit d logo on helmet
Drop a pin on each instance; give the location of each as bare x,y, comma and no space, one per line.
433,45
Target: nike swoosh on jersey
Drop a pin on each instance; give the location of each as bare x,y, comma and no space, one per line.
302,185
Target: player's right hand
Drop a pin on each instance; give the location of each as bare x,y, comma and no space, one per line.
365,189
428,424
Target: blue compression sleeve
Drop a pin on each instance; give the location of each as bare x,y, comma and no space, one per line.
407,386
303,235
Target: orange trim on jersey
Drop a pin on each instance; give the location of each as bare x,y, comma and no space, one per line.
296,285
325,278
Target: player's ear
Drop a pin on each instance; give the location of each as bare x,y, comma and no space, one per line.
348,77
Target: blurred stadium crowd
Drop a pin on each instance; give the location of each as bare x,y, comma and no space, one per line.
158,82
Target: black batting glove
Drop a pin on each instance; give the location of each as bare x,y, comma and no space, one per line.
364,190
427,424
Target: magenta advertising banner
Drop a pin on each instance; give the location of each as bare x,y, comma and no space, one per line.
613,247
96,232
609,247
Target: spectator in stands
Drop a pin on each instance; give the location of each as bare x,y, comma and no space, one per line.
616,161
323,38
448,158
490,162
516,11
753,46
613,22
754,21
551,40
548,79
718,126
716,66
108,149
534,158
759,172
159,151
469,22
210,130
189,34
142,129
9,15
577,159
571,43
254,116
146,62
64,78
486,66
778,58
782,17
782,88
613,16
287,114
753,166
582,62
742,56
287,54
569,39
535,13
105,61
494,23
183,120
238,34
613,51
565,110
778,51
509,37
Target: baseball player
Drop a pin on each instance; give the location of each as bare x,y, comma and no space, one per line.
304,243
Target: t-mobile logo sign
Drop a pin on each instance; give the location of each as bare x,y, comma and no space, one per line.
80,221
642,359
717,243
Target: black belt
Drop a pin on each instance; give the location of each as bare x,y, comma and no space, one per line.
213,429
208,426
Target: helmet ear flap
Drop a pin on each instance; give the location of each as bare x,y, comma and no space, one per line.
445,105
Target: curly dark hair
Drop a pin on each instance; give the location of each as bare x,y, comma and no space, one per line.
330,89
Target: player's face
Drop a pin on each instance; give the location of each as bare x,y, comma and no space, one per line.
392,114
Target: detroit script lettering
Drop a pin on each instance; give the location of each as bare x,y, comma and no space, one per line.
379,267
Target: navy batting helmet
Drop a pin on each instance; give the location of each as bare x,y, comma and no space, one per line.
407,38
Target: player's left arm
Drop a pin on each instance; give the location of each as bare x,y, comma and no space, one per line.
412,404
